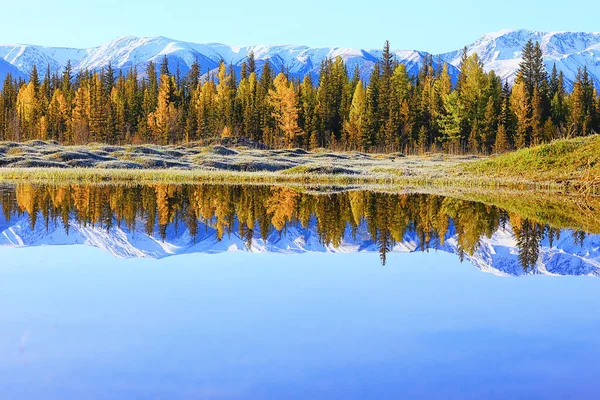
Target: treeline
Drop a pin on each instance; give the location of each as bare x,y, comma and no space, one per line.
257,212
392,112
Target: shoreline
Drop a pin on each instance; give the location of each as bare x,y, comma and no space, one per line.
536,169
442,178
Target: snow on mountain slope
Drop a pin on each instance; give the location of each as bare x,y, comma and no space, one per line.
126,52
7,68
497,255
24,57
501,52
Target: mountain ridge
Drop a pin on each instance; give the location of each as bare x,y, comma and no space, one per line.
500,51
132,51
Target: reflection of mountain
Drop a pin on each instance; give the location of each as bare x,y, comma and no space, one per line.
498,254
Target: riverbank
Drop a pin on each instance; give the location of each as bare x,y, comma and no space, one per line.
567,165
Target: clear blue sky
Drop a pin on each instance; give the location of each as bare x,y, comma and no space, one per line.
424,25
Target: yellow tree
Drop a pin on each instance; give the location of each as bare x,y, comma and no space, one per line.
355,125
26,108
502,144
224,101
163,121
247,99
285,109
206,111
80,120
58,116
521,107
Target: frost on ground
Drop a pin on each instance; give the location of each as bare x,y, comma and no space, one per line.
238,158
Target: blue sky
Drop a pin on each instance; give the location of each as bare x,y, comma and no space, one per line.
434,26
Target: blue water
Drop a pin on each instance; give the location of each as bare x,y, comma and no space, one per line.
77,323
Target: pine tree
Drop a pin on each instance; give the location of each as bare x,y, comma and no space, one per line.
521,108
308,118
502,143
66,85
164,67
490,126
251,62
402,89
27,108
475,138
372,121
423,141
35,79
558,106
225,100
532,70
247,98
263,107
451,123
582,104
537,133
355,126
285,110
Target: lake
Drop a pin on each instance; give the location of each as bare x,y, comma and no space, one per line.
235,292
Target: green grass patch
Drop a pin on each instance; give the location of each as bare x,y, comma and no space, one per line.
568,159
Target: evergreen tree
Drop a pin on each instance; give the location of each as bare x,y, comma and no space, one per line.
164,67
285,111
502,143
354,127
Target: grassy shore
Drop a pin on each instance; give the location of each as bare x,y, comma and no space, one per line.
568,163
565,165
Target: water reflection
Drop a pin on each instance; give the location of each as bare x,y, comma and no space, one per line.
159,220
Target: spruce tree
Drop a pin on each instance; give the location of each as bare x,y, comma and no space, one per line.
502,143
35,79
164,66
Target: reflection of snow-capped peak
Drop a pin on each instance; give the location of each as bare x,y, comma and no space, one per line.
497,255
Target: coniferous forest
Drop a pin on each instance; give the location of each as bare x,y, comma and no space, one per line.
391,112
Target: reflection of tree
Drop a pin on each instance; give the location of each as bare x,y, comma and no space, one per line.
282,205
257,211
578,238
528,235
552,234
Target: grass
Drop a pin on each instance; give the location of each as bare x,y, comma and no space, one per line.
176,176
561,166
571,162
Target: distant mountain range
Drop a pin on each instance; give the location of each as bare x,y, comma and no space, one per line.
498,255
500,51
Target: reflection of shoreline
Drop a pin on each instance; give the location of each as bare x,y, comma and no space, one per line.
212,218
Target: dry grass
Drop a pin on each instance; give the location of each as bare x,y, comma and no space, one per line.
567,165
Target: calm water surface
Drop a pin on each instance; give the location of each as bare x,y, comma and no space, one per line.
231,292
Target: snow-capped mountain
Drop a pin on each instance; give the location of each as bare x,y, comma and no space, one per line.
8,68
501,52
126,52
497,255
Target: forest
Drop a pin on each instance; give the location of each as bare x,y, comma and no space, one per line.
390,112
